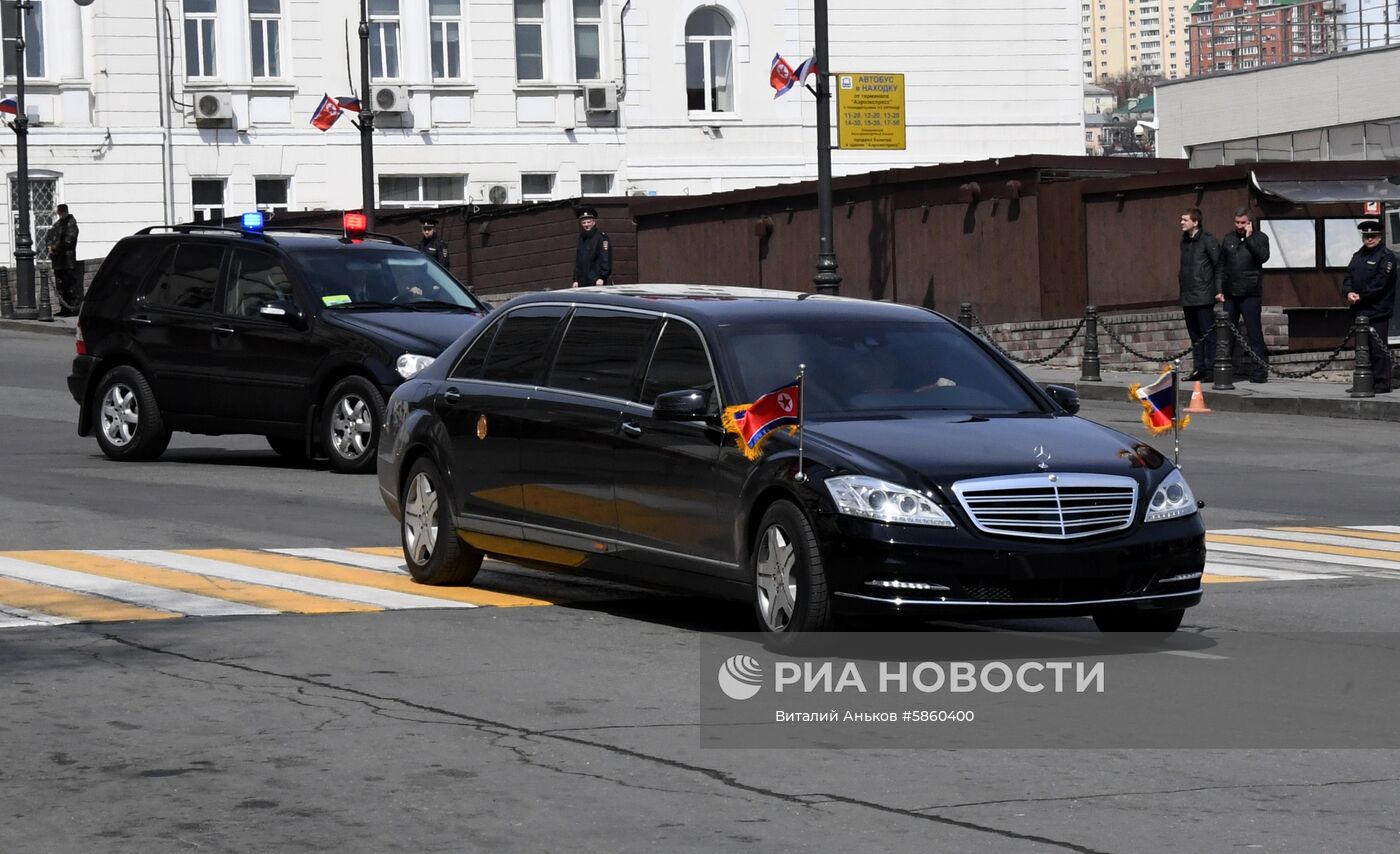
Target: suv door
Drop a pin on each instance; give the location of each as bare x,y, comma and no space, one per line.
171,323
264,365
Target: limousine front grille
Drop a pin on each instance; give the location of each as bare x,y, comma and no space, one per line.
1049,506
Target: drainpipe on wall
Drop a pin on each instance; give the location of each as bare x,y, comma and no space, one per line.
167,154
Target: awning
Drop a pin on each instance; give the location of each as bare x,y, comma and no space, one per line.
1321,191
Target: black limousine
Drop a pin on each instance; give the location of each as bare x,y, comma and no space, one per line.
585,430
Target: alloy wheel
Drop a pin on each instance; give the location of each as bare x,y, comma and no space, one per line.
120,415
420,519
351,425
777,578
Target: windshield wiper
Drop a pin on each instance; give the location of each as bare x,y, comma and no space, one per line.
376,306
437,305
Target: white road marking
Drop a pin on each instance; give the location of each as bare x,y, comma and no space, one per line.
145,595
379,563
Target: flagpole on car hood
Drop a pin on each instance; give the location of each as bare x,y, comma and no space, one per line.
1176,412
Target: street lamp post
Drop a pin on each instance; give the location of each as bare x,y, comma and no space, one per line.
366,122
827,280
25,308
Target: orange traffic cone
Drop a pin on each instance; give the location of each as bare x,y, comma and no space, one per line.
1198,401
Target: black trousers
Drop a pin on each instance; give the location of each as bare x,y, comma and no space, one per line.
1381,364
1249,308
1200,325
69,284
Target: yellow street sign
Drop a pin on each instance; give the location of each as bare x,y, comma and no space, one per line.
870,111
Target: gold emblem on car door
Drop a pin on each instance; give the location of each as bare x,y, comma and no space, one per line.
481,427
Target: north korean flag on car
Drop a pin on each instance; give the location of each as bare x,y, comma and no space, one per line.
778,407
326,114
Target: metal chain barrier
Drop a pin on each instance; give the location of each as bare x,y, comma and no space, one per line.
1141,355
1288,375
982,330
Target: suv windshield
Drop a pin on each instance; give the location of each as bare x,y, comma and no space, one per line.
874,367
378,276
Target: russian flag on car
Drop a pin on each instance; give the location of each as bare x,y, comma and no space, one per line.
753,421
326,114
9,105
1158,402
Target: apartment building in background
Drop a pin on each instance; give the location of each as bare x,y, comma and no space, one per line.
1234,35
180,110
1132,38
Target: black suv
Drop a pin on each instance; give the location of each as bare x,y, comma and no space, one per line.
299,335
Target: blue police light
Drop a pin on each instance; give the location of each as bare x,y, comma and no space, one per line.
254,221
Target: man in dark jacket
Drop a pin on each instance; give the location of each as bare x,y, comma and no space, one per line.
432,243
1243,253
1199,278
1369,286
593,261
63,255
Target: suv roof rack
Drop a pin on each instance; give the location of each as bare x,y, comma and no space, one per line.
197,227
316,229
191,228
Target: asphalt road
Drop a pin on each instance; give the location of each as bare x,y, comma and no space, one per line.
574,727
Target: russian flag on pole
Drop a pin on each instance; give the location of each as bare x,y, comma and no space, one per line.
348,103
326,114
9,105
1159,403
781,77
753,421
806,69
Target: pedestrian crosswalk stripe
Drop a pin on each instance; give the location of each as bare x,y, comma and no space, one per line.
14,618
1350,533
73,607
1345,540
271,598
351,557
1336,556
1221,572
131,592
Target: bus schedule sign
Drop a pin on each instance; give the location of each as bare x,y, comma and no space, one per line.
870,111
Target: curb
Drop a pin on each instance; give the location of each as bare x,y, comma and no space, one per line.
38,326
1378,408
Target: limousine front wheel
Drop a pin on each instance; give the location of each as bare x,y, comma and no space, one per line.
431,547
790,592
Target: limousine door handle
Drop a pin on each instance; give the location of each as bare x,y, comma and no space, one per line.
223,330
632,429
451,396
141,319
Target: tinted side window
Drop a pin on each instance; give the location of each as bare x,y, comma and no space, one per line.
128,265
517,354
601,351
254,280
679,362
469,366
190,281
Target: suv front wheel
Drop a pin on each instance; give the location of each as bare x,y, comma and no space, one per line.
350,423
129,424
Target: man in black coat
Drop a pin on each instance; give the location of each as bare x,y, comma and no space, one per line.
1369,286
593,260
432,243
1199,278
63,255
1242,254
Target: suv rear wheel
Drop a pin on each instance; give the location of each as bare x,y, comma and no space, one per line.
350,423
129,424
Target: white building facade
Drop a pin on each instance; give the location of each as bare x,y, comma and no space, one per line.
163,111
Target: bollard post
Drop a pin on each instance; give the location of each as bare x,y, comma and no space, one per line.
1224,362
965,315
1089,363
7,308
1363,381
45,300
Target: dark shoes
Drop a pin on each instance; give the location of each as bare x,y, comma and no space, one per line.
1201,376
1259,378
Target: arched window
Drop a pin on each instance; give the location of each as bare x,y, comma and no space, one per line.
709,61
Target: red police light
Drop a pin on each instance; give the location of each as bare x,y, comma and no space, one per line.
355,223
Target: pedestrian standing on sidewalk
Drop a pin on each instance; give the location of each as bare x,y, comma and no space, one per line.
63,256
1369,286
1199,278
593,260
1242,254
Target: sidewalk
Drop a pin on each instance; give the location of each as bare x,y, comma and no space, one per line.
1276,397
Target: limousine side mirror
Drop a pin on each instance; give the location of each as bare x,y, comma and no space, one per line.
687,404
286,311
1066,397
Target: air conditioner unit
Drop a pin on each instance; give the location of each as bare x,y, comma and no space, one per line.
498,195
600,98
391,99
210,106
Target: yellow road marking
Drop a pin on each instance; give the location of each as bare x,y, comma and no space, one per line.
364,577
290,601
1293,546
1381,536
1212,578
75,606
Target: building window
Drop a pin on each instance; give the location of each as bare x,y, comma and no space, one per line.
529,39
537,186
406,191
33,38
272,194
207,195
43,196
588,28
445,25
384,39
265,37
709,62
200,18
597,183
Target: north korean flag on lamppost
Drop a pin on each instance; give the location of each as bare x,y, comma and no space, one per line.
326,113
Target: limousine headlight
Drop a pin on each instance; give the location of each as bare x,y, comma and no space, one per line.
869,498
409,364
1172,500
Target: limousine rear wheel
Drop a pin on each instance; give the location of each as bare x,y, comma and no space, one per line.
1126,620
790,592
434,552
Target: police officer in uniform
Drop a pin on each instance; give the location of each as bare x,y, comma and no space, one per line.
432,244
593,261
1369,286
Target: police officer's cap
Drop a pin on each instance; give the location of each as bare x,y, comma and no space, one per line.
429,220
1370,226
586,213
